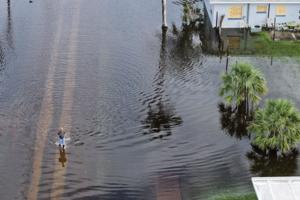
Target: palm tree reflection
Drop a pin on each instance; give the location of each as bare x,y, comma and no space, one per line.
161,115
182,46
263,164
160,120
234,121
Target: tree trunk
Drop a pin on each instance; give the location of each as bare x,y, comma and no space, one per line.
164,14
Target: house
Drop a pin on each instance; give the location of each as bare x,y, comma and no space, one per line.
251,13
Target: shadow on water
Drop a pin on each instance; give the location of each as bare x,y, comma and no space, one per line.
263,164
234,121
161,115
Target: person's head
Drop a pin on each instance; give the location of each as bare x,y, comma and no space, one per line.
61,129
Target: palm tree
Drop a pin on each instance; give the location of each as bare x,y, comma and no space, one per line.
243,85
276,127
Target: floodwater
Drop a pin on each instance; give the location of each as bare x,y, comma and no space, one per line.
140,107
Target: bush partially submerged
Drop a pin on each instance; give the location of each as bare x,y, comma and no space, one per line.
243,85
276,127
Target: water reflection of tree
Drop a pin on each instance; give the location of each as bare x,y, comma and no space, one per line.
263,164
234,121
187,37
161,115
182,46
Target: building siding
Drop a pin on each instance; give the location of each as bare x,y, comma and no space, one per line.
223,10
257,18
293,13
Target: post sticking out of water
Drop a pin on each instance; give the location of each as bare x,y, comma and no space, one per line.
164,14
217,17
274,28
227,59
271,60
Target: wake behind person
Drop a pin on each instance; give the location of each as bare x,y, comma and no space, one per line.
61,137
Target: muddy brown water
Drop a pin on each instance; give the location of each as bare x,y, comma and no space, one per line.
140,109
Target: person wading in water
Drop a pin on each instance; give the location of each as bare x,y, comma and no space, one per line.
61,137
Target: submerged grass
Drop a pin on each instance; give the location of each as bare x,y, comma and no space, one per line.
264,45
250,196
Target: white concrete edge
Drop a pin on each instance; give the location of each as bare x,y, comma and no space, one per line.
279,178
255,188
287,179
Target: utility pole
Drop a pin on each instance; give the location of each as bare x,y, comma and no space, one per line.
164,14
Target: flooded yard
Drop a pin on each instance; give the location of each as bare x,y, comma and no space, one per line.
140,107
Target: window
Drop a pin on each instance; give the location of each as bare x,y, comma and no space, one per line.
280,10
235,12
261,8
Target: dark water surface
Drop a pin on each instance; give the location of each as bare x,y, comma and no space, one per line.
141,109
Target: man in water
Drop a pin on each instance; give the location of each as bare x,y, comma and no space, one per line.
61,137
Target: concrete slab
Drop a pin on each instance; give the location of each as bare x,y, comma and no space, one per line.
277,188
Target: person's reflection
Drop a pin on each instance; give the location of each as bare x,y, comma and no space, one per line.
265,164
62,156
233,121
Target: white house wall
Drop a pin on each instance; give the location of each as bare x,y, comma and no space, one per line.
293,13
257,18
223,10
